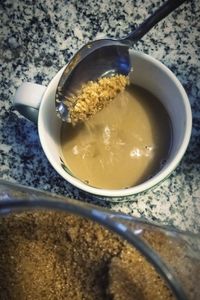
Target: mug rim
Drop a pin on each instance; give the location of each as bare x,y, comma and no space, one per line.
157,178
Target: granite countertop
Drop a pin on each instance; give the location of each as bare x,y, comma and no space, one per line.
39,37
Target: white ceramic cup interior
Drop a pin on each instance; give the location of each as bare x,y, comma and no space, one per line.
31,99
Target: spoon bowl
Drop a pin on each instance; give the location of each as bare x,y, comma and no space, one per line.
100,58
103,58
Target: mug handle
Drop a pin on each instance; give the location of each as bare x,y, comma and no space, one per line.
27,100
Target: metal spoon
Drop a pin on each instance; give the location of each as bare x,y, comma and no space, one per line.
105,57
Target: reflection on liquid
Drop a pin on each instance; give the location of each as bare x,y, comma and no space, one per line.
122,145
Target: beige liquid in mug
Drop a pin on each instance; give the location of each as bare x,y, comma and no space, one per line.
121,146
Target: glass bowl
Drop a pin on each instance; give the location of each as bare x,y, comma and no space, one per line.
174,254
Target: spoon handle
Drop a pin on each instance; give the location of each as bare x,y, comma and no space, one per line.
151,21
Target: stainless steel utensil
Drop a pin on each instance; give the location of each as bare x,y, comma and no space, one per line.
105,57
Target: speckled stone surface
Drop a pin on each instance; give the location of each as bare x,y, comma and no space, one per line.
39,37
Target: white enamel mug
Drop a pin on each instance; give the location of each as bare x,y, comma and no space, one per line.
37,103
